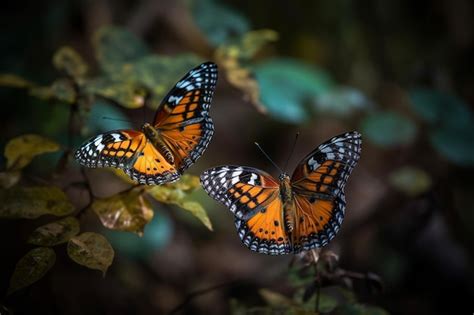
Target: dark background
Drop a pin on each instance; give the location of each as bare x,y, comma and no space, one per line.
421,244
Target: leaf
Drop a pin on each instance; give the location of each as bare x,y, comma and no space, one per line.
9,178
218,22
14,81
177,193
91,250
342,101
32,202
126,94
31,267
275,299
116,47
388,129
287,87
63,91
55,233
68,60
455,144
198,211
21,150
127,211
235,55
410,180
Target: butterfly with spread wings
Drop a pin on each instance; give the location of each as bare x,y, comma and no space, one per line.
294,214
160,152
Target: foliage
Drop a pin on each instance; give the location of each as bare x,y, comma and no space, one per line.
129,76
91,250
32,267
320,287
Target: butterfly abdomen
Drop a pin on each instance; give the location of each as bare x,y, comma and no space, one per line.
153,135
286,195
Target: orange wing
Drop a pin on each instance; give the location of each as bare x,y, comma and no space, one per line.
253,196
183,117
130,151
318,185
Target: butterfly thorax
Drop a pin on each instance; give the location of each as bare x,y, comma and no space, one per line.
153,135
286,195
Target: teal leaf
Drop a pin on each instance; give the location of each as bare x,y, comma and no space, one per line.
287,87
100,109
218,22
388,129
115,47
455,144
342,101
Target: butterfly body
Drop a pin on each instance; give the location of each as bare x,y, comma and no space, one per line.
288,214
161,151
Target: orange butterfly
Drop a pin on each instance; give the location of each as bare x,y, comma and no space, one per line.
160,152
294,214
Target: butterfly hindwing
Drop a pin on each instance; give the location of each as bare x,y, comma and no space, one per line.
183,117
318,185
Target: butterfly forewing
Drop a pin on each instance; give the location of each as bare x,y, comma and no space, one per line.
183,117
318,185
253,196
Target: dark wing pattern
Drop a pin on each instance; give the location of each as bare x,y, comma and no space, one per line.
130,151
253,196
318,185
183,116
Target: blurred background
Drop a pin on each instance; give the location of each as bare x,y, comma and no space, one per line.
399,72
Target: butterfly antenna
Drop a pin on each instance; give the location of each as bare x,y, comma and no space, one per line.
292,150
117,119
268,157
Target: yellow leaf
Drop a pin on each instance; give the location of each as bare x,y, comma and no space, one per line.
55,233
21,150
275,299
31,267
233,57
198,211
91,250
68,60
127,211
12,80
32,202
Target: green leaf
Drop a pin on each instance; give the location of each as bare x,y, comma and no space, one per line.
177,193
91,250
198,211
455,144
68,60
116,47
55,233
218,22
127,94
410,180
32,202
342,101
21,150
14,81
452,124
287,87
388,129
31,267
127,211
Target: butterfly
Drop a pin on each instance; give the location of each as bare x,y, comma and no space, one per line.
291,214
161,151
